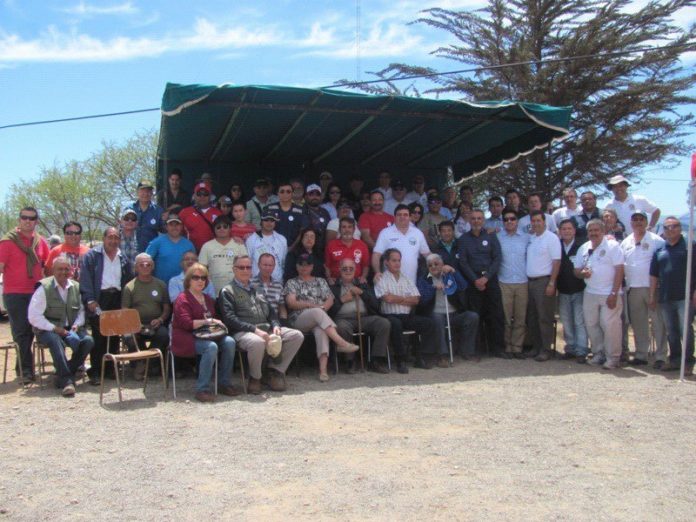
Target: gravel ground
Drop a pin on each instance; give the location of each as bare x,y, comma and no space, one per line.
496,440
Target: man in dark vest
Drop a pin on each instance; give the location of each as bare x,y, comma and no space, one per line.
56,312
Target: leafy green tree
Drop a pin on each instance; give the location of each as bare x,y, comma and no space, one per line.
625,106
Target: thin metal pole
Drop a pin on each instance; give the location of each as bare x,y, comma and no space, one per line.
687,283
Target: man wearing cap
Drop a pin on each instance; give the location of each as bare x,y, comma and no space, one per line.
398,197
418,193
173,196
346,247
638,249
128,229
167,249
291,216
148,214
625,205
317,216
23,253
268,241
258,202
372,222
667,281
71,248
219,253
588,201
207,177
570,198
200,217
431,219
600,262
104,272
57,313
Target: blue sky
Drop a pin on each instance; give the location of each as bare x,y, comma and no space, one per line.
71,58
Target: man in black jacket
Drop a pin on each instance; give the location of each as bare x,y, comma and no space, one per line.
570,293
349,294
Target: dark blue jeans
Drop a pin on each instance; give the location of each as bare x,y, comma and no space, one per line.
17,307
673,315
79,342
464,332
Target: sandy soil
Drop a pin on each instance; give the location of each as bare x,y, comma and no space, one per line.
496,440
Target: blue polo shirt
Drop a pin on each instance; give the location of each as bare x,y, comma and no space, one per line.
513,268
669,265
167,255
149,224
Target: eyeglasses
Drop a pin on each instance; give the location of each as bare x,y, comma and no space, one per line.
243,267
199,278
72,233
671,227
509,219
347,269
202,194
130,219
28,218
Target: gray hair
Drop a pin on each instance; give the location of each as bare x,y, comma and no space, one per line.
144,257
62,258
433,257
595,221
611,211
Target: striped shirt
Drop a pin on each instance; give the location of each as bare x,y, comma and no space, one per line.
273,291
388,284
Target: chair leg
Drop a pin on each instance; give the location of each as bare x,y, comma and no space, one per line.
170,357
118,381
101,382
4,372
164,379
147,370
241,371
215,373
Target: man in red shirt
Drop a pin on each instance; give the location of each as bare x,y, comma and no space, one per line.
23,254
373,221
346,247
198,218
72,232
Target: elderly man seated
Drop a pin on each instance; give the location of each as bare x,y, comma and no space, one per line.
150,297
57,313
353,298
399,298
443,293
251,320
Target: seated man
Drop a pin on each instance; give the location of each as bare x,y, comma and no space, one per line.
399,298
435,288
250,320
351,295
149,296
271,289
56,311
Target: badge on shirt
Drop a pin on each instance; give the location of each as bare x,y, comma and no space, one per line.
155,293
291,218
646,246
321,220
484,242
153,221
632,206
412,242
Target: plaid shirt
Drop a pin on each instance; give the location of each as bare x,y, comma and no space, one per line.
272,292
129,247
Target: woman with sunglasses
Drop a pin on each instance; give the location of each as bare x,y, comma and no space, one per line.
194,309
306,245
333,195
416,211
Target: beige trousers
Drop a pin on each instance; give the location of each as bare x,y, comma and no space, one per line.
315,320
603,326
639,312
515,296
255,347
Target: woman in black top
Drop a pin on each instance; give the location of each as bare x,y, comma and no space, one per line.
307,244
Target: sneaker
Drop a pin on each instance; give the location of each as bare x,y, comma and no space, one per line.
401,367
531,354
657,365
68,390
506,355
581,359
638,362
567,356
378,367
254,386
348,348
205,397
443,362
422,364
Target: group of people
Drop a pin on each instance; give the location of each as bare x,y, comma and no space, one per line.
385,263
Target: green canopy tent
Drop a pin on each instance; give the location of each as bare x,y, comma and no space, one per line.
240,133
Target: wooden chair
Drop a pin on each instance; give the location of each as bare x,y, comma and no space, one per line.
125,322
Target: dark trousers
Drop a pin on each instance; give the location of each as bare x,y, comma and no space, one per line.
423,326
17,310
542,310
489,306
107,301
464,332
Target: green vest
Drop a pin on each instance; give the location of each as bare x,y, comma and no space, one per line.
58,312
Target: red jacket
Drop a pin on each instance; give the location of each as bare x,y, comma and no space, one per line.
199,226
186,310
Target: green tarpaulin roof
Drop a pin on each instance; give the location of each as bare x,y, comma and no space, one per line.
325,129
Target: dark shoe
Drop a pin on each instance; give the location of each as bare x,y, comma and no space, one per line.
470,358
205,397
624,357
658,365
27,378
506,355
443,362
581,359
421,363
276,381
230,391
518,355
669,367
378,367
531,354
638,362
567,356
68,390
351,369
401,367
254,386
94,381
543,356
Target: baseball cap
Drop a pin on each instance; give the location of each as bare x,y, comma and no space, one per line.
398,184
207,176
640,213
128,211
305,259
434,197
616,180
173,219
269,214
225,200
202,186
145,184
313,188
261,182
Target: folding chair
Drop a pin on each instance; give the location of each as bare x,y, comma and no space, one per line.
125,322
6,348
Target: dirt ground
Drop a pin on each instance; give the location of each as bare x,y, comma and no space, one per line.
495,440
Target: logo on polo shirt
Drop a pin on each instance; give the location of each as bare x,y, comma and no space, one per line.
357,256
412,242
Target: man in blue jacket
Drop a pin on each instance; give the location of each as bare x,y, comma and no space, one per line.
442,294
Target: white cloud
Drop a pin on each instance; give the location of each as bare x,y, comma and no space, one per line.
85,9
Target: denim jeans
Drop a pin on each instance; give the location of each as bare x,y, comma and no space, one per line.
573,321
79,342
464,331
17,310
208,350
673,314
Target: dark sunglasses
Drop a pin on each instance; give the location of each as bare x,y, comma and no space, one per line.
72,233
243,267
29,218
199,278
671,227
202,194
130,219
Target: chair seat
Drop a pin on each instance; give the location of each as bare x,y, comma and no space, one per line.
134,356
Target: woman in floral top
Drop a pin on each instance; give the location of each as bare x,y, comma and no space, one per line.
309,298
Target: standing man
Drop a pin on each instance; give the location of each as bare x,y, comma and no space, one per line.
570,296
372,222
55,310
513,200
479,260
291,216
347,247
600,263
446,246
535,202
129,235
384,180
173,195
494,224
543,264
148,214
668,271
418,193
589,211
104,272
199,218
268,241
23,253
570,198
317,217
258,202
638,249
398,197
167,250
70,248
407,239
219,253
514,287
626,205
431,219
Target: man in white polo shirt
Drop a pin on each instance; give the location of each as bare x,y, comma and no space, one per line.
535,202
600,263
638,249
406,238
625,205
543,264
570,198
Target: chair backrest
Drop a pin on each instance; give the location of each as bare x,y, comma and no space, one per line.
119,322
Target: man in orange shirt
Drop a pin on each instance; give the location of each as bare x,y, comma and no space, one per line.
375,220
71,247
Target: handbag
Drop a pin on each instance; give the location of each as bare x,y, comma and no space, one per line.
210,332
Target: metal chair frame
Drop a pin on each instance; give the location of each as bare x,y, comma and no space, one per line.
6,348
